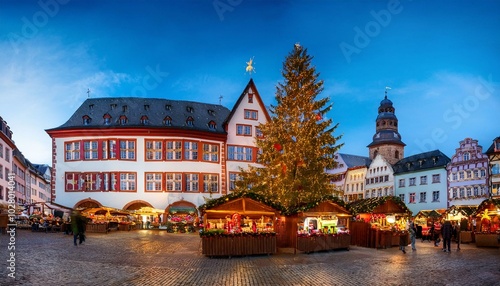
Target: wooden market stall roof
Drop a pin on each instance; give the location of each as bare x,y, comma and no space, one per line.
431,213
492,205
245,203
464,210
381,205
327,207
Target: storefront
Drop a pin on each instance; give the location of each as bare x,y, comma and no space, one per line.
236,226
487,220
425,219
378,222
105,219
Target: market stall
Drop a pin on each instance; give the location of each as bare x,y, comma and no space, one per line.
378,222
460,217
236,225
322,226
487,217
424,220
105,219
181,217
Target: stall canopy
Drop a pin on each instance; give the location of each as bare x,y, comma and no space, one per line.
464,211
382,205
148,211
244,206
491,206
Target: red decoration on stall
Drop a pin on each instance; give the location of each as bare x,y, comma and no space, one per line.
278,147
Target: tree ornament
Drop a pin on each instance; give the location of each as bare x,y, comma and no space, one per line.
278,147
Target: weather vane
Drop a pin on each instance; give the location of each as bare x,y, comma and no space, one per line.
250,69
88,92
386,89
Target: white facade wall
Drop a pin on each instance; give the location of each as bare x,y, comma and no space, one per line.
423,192
379,178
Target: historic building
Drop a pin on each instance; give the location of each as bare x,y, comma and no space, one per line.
128,152
6,147
387,140
468,174
420,181
493,154
357,167
379,180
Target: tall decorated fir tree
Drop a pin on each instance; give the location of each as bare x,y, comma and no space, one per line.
298,144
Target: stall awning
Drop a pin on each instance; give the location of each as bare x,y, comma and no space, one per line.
182,209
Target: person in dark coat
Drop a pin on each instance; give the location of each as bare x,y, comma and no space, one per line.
78,225
446,233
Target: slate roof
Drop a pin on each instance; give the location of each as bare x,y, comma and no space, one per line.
156,110
422,161
491,150
352,161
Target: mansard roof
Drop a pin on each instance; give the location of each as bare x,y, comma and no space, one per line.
147,112
422,161
352,161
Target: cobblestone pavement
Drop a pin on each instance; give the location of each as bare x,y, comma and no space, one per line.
152,257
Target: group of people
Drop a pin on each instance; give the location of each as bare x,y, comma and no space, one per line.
446,231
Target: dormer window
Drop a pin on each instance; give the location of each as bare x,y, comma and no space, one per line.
146,107
86,120
212,125
124,108
189,109
168,107
190,121
211,112
113,105
167,121
91,106
107,119
144,120
123,120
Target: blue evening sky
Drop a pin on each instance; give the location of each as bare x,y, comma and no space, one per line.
440,58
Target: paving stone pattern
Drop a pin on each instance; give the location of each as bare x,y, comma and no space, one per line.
152,257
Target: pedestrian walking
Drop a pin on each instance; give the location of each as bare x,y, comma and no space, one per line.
78,225
446,232
412,230
403,241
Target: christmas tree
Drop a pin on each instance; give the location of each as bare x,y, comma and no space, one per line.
298,144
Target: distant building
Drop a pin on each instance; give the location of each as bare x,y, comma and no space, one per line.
493,154
468,174
357,167
132,152
6,147
420,181
387,140
379,181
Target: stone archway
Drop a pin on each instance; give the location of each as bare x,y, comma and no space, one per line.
136,204
87,203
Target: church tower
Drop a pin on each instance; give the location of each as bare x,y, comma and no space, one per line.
387,141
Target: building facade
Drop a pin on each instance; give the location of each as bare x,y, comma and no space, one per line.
493,154
357,166
420,181
6,147
379,180
124,152
468,174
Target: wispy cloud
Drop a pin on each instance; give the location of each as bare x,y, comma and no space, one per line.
42,83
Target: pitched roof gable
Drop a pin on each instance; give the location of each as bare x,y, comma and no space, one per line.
250,85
